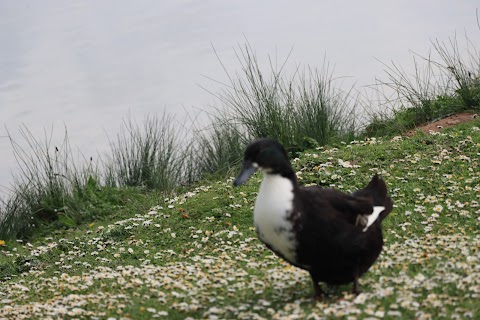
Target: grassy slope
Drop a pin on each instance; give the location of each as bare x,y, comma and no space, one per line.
196,255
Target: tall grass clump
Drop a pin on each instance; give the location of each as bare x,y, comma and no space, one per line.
53,189
463,69
445,82
324,113
299,110
218,150
150,155
47,187
14,220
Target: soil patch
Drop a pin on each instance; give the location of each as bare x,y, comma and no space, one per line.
446,122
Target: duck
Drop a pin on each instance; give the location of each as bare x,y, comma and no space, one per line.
335,236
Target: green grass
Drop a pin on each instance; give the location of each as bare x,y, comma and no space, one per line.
445,82
54,189
300,110
99,249
151,155
221,148
195,254
303,110
52,186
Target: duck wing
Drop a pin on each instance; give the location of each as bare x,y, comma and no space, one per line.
376,192
328,230
361,208
334,204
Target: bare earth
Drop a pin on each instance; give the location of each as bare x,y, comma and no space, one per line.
449,121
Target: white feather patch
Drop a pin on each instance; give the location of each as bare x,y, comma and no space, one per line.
272,207
374,216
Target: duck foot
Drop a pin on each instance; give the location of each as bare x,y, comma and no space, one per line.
319,294
356,286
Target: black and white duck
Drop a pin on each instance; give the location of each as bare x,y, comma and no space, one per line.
335,236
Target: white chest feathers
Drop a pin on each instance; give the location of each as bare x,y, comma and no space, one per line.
273,207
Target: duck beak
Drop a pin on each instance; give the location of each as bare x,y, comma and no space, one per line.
247,170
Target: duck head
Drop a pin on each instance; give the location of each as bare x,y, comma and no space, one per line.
266,155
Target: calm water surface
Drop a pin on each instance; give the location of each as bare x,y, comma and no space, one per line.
86,65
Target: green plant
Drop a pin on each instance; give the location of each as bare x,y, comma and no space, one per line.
218,150
45,186
54,191
462,68
446,83
149,156
293,109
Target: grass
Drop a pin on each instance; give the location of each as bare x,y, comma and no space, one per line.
221,147
300,110
443,83
138,236
151,156
48,188
54,189
195,254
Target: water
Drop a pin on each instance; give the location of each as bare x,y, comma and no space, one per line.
86,65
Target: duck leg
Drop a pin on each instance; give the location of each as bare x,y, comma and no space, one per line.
356,286
318,291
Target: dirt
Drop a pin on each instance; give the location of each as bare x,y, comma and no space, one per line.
449,121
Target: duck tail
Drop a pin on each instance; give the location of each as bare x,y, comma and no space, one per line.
377,191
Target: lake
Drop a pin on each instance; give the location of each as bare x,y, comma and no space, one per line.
87,65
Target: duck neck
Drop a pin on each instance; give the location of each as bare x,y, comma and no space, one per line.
287,172
275,196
